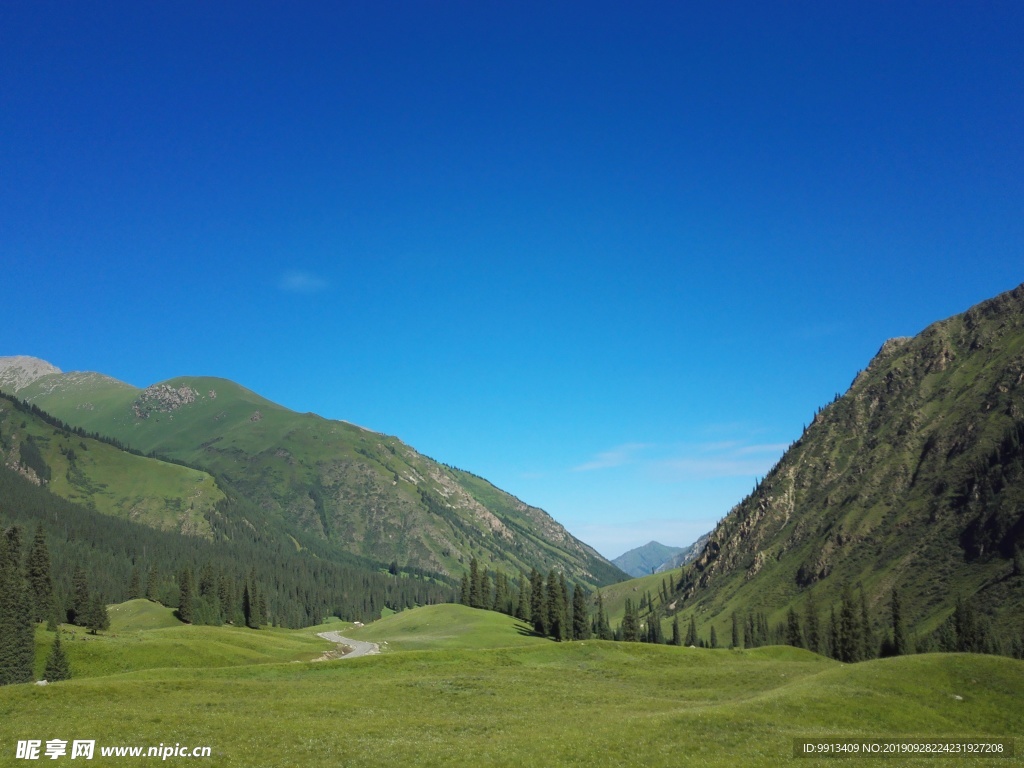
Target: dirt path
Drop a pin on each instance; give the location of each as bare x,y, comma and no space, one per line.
347,648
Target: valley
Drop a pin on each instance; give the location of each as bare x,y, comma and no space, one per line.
458,686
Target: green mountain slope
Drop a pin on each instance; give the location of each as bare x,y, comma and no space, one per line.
105,478
359,491
913,479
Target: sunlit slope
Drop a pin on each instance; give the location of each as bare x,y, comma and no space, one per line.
447,627
105,478
913,479
361,491
146,635
584,703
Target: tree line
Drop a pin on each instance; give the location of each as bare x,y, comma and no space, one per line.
248,574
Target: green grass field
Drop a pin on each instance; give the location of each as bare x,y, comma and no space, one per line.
467,688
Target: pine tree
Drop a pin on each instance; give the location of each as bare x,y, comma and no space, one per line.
677,638
538,603
96,617
868,648
135,584
79,597
580,614
57,666
464,590
851,640
153,584
602,627
714,637
17,636
691,633
900,646
558,626
185,595
476,599
37,573
735,631
813,630
794,635
654,631
523,608
630,623
486,601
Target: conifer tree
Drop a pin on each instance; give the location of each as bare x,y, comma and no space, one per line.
655,634
207,585
500,593
17,641
868,648
476,599
135,584
580,615
153,584
80,600
602,627
37,573
813,629
464,590
57,666
523,608
538,603
486,600
691,633
714,637
794,635
185,595
735,643
851,639
557,623
630,623
96,617
677,637
900,647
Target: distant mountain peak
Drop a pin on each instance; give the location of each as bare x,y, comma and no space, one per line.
18,371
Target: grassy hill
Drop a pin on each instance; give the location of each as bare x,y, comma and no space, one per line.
913,479
356,490
447,627
543,703
145,635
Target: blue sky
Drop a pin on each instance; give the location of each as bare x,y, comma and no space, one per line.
610,256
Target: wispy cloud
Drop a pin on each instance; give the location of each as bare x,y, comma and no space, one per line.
616,457
302,282
722,459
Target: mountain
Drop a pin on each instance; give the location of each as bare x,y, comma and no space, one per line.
913,479
646,559
354,490
684,556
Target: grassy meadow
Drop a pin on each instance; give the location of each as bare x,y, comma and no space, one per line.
455,687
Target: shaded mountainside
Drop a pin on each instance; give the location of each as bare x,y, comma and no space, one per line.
641,561
913,479
358,491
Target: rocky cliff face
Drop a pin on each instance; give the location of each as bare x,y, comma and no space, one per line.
914,478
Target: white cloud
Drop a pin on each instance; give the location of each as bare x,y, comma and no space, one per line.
616,457
302,282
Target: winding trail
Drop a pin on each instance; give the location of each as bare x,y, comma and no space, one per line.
355,647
